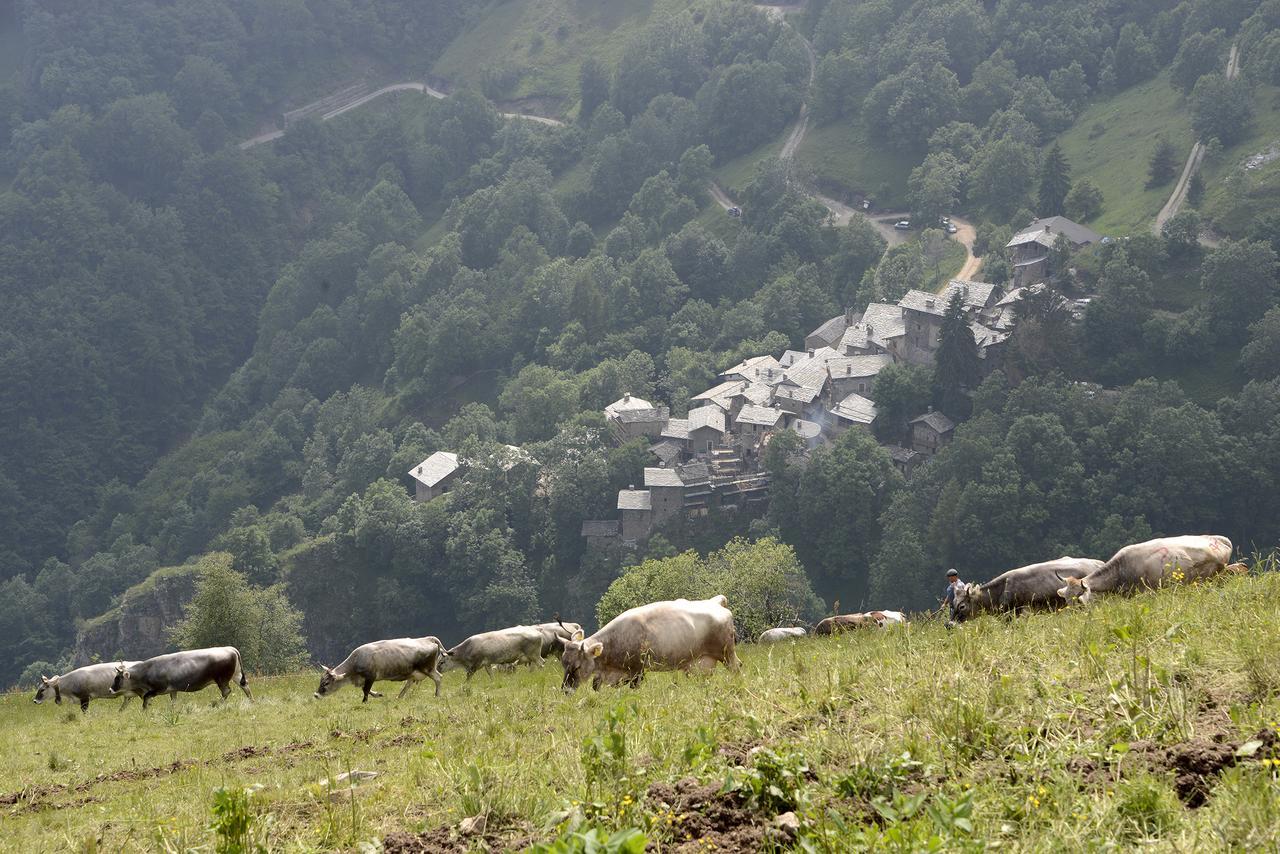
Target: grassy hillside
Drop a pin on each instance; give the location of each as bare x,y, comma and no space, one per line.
1143,720
539,44
1111,144
842,159
1235,196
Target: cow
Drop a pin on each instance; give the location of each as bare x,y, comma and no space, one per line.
407,660
1146,566
504,646
1033,586
888,618
188,671
83,684
782,634
555,634
843,623
675,635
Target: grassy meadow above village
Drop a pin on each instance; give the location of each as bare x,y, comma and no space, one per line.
1145,721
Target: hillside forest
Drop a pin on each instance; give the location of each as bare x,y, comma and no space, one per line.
209,348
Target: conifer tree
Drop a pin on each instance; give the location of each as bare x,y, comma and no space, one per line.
1055,181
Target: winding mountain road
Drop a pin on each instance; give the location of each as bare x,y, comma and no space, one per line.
361,100
1194,161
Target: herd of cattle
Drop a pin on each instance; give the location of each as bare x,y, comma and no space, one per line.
674,635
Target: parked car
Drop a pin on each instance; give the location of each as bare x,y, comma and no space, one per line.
734,211
903,225
951,228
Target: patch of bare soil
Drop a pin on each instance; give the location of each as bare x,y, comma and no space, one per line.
703,814
447,840
37,797
1195,764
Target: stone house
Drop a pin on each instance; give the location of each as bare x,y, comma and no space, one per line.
853,410
601,532
929,432
1030,250
434,476
706,428
856,374
636,507
666,493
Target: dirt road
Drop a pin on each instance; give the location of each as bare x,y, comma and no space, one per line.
1194,161
360,101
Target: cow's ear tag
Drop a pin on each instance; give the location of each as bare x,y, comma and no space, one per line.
578,635
596,650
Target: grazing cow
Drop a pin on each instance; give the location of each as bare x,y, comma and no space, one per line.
782,634
504,646
407,660
888,618
1033,586
843,623
1146,566
188,671
674,635
84,684
555,634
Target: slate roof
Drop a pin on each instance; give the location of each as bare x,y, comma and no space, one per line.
634,499
641,416
830,332
924,302
695,473
855,408
754,369
1052,227
858,366
677,428
661,477
798,393
763,416
435,468
667,452
900,454
986,336
883,322
720,394
935,420
757,393
812,372
706,416
627,402
601,528
790,357
977,295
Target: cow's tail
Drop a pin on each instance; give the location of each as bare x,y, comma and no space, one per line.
243,681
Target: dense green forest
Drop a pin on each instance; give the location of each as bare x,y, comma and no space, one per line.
206,347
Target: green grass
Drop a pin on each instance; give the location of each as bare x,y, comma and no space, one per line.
842,159
1111,144
1209,378
717,222
1045,733
1235,197
948,266
1178,288
734,175
544,42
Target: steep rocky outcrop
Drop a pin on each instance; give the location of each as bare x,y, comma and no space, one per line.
138,627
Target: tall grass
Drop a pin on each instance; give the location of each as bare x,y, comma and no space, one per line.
1037,733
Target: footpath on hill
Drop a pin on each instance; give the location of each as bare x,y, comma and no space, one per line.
1194,161
358,99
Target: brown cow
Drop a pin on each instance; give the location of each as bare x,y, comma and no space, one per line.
844,622
675,635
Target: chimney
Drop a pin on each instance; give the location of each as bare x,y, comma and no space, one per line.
627,397
1046,228
848,370
419,469
811,352
848,316
870,331
928,303
633,486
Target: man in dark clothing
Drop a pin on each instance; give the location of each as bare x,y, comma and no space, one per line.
949,597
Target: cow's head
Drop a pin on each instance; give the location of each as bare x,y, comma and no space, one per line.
330,681
580,660
1075,588
964,605
121,682
47,685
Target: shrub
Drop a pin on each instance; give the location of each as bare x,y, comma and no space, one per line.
763,581
228,611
